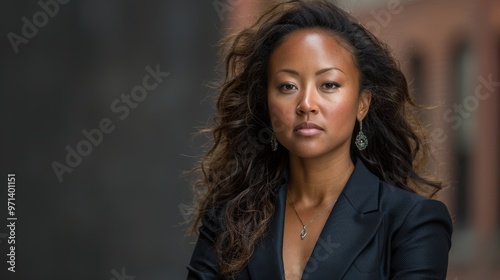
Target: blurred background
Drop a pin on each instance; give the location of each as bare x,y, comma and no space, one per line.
100,101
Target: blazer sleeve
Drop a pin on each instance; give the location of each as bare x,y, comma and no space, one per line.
203,264
422,243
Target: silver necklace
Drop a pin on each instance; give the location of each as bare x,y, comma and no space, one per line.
303,232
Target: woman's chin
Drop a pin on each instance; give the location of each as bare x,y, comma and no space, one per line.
308,152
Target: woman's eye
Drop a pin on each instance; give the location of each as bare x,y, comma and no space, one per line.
287,87
330,86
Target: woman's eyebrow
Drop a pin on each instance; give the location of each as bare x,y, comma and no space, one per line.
319,72
327,69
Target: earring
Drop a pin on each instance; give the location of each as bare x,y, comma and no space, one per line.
361,140
274,143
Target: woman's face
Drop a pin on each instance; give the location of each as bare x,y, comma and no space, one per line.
313,94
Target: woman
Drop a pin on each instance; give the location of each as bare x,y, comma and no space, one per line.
314,168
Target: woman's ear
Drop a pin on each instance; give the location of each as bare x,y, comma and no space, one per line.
365,98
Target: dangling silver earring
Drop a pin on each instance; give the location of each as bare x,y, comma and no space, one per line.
274,143
361,140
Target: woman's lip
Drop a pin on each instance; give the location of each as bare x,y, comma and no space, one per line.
307,129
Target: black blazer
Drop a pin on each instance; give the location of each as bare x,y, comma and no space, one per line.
374,231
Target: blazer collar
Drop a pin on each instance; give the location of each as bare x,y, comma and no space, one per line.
362,189
267,260
352,223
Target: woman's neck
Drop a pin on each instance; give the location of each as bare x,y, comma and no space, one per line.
313,182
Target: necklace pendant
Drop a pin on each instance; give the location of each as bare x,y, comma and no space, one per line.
303,233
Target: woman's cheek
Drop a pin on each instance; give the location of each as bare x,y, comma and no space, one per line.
278,118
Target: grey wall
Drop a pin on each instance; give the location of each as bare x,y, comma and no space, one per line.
116,214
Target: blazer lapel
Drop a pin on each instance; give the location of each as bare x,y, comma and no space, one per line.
267,262
353,222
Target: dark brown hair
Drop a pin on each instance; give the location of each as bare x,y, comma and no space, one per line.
240,173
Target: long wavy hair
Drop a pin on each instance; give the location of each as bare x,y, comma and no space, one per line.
240,174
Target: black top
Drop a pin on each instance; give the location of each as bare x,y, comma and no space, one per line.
374,231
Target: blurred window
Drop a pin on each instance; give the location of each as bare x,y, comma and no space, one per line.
418,89
417,80
463,120
498,160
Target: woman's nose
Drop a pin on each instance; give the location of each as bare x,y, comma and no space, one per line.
308,102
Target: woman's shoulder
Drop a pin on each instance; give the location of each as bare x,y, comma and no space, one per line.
403,206
212,219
